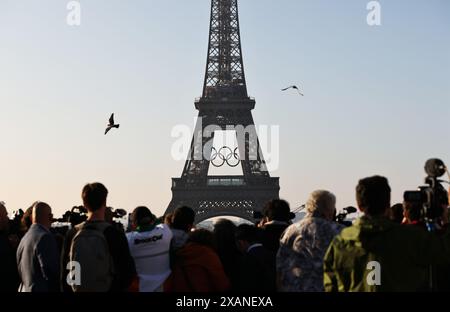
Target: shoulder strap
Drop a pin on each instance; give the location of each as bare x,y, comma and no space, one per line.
99,226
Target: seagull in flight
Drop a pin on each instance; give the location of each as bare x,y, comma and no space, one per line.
111,124
293,87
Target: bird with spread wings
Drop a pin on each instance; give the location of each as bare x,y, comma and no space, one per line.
111,124
293,87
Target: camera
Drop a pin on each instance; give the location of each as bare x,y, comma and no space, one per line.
114,217
78,215
340,218
432,197
15,226
118,213
75,216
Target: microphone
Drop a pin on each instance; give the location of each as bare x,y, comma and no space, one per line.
435,168
350,210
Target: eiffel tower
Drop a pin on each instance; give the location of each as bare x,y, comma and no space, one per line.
224,105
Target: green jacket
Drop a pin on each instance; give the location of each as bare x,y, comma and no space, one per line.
404,254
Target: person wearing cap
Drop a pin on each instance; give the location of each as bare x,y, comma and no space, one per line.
149,244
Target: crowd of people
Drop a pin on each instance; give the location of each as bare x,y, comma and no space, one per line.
170,254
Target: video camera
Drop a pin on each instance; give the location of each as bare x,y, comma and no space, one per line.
75,216
118,213
340,218
432,197
112,215
78,215
15,226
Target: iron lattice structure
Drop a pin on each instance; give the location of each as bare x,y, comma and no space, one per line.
224,67
224,105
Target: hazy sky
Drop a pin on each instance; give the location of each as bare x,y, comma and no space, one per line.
377,98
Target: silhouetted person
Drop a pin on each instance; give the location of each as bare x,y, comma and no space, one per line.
224,232
276,220
376,254
303,245
257,269
9,277
414,216
412,213
197,267
443,271
168,219
149,244
396,213
182,222
26,221
100,248
37,255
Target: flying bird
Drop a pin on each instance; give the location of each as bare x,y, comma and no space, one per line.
293,87
111,124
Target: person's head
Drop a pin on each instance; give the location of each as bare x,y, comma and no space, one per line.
4,221
412,211
373,196
277,210
396,213
183,218
224,231
94,199
202,237
142,216
168,219
247,235
321,204
42,214
27,220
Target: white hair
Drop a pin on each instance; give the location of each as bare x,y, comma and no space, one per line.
321,202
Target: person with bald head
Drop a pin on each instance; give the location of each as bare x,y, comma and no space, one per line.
9,279
37,255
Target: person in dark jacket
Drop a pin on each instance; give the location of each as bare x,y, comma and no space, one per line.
9,277
224,232
181,224
257,270
37,254
396,213
94,199
277,216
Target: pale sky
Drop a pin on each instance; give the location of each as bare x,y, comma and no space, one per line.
376,98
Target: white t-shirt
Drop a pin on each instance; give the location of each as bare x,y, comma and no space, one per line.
150,251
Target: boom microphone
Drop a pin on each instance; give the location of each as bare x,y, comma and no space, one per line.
435,168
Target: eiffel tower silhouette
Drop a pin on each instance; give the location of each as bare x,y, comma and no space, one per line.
224,105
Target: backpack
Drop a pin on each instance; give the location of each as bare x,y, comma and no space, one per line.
91,250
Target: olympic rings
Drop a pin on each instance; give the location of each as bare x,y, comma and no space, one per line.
226,156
